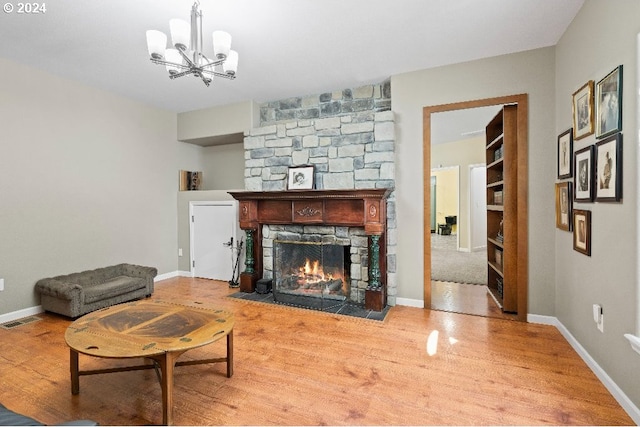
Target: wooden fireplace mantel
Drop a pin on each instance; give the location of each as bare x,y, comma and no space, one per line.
351,208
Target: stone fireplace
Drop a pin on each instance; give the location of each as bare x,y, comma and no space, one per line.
349,138
327,213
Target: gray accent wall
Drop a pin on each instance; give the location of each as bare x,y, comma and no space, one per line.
602,36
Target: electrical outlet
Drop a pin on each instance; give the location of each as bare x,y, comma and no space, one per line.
180,252
598,317
601,323
1,284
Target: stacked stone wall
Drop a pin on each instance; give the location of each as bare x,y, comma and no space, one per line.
349,150
375,98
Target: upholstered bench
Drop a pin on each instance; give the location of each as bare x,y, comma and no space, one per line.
76,294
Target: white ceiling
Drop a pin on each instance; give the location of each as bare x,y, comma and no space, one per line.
287,47
457,125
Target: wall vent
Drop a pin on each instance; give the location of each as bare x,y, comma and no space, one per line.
15,323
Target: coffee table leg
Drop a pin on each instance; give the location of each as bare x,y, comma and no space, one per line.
167,362
230,354
74,367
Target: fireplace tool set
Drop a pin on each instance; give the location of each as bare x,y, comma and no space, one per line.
235,275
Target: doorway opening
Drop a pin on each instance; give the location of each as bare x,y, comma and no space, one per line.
470,235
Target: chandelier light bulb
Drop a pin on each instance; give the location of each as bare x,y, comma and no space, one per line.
173,56
230,66
221,44
180,33
156,43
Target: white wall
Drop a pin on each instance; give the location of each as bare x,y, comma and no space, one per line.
87,179
601,37
529,72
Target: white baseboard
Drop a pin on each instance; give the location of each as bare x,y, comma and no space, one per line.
185,274
410,302
19,314
166,276
543,320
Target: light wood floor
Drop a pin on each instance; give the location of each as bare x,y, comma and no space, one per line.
465,299
301,367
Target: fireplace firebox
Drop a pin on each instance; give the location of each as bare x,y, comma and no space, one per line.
310,274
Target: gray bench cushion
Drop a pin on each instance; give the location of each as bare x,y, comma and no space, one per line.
10,418
111,288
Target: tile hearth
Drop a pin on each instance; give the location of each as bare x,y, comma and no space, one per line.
338,307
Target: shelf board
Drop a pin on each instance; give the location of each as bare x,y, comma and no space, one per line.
496,269
496,163
495,242
497,140
496,297
497,208
496,184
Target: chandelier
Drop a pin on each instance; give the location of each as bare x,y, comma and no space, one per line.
187,57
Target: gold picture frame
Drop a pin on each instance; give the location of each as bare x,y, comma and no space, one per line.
563,205
582,108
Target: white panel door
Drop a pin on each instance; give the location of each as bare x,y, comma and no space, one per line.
212,225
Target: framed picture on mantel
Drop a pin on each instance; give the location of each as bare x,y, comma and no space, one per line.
300,178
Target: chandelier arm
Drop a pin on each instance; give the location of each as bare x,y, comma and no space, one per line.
213,63
215,73
184,73
174,64
186,58
204,79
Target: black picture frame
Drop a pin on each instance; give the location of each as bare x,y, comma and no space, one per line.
608,102
301,177
608,182
583,177
582,108
564,205
565,154
582,231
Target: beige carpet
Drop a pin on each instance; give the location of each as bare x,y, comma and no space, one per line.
450,265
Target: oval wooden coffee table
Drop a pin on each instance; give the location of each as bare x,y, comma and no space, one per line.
158,330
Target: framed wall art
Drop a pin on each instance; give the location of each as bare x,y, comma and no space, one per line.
565,154
609,104
189,181
582,231
583,180
608,181
300,178
563,206
583,111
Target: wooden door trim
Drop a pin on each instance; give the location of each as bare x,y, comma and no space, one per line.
523,187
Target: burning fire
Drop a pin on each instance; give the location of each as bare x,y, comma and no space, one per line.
312,272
